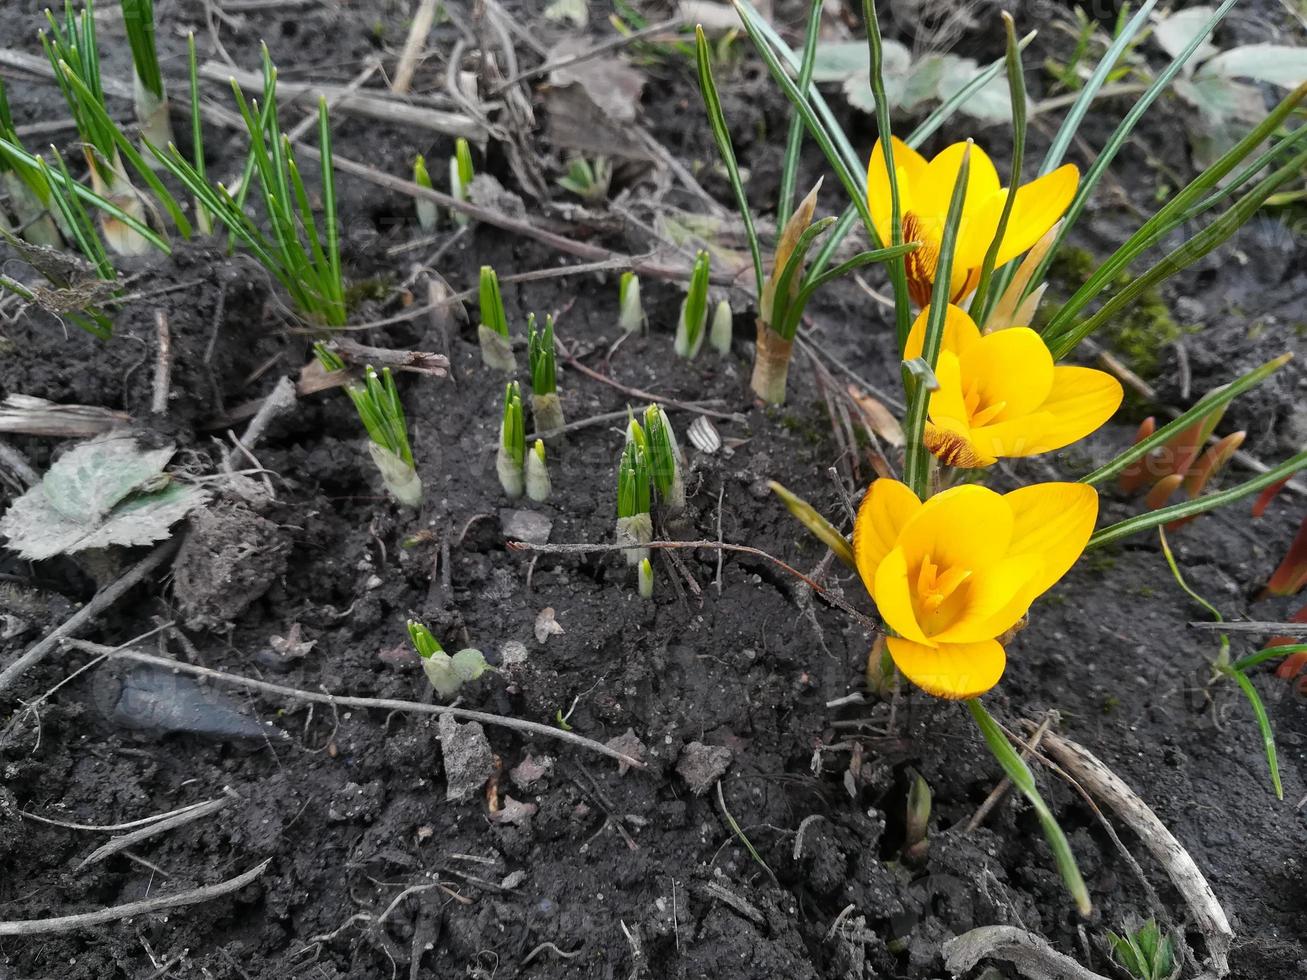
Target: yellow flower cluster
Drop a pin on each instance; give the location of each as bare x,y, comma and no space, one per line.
952,574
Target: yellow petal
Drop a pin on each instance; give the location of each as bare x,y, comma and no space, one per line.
1039,205
960,332
1081,400
996,598
932,193
975,235
909,166
1012,367
955,670
887,506
1053,520
893,595
969,527
1011,439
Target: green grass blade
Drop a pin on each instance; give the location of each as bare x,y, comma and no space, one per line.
916,462
138,19
1075,116
791,325
785,285
1122,133
1016,81
794,140
1174,211
1270,653
1209,403
1019,773
945,110
897,268
1182,257
1190,508
854,185
197,125
329,216
717,120
1263,725
125,147
833,241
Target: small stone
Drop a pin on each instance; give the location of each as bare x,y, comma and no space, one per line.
702,765
547,625
529,774
514,812
512,654
469,761
525,525
627,744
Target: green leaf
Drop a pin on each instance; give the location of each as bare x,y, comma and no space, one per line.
811,518
1190,508
1019,773
1211,402
1281,65
86,482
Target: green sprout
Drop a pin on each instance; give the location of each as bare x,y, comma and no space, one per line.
460,177
28,191
723,324
73,51
426,210
496,348
634,496
203,217
545,404
447,674
510,460
630,315
694,310
1145,952
646,579
382,414
664,459
588,181
301,254
538,486
151,97
917,822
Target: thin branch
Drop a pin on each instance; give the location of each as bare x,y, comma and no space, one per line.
68,923
124,841
581,549
575,59
345,701
100,602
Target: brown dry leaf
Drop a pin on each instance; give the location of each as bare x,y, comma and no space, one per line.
513,812
546,625
292,645
877,418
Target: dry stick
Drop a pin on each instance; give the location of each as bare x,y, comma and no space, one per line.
1278,629
377,106
571,360
1161,843
594,52
413,45
101,601
162,365
67,923
1029,953
124,841
581,549
115,827
346,701
17,465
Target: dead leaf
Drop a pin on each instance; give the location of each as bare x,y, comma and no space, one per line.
292,646
513,812
877,418
627,744
547,625
610,83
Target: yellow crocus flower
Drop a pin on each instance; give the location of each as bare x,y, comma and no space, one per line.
1000,394
925,189
954,574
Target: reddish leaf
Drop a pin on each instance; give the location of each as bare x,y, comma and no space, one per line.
1133,476
1291,576
1266,496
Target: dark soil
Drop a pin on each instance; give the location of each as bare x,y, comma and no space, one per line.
373,872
